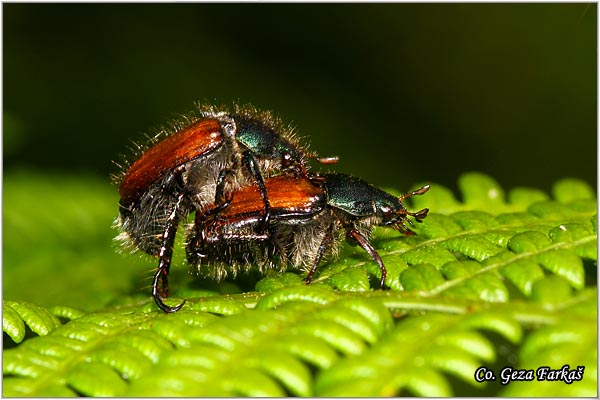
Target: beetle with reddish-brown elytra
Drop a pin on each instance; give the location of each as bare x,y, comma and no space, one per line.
192,165
309,218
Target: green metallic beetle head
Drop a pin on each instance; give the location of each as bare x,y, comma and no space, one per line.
359,199
265,142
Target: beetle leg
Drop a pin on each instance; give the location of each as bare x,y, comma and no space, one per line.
164,264
211,215
203,222
324,244
250,163
220,198
364,243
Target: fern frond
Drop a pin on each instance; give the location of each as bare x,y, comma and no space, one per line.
493,271
417,350
17,314
572,342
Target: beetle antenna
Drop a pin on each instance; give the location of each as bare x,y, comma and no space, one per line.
418,216
327,160
417,192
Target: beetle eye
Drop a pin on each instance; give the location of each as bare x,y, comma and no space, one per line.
387,212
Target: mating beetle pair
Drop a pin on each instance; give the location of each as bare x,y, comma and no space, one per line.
245,176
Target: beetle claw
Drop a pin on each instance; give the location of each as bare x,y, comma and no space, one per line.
159,293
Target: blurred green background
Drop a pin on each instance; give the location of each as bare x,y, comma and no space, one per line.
402,93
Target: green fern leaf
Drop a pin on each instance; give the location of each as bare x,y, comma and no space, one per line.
16,314
426,344
498,270
559,345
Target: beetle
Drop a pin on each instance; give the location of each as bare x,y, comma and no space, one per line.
310,216
194,163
